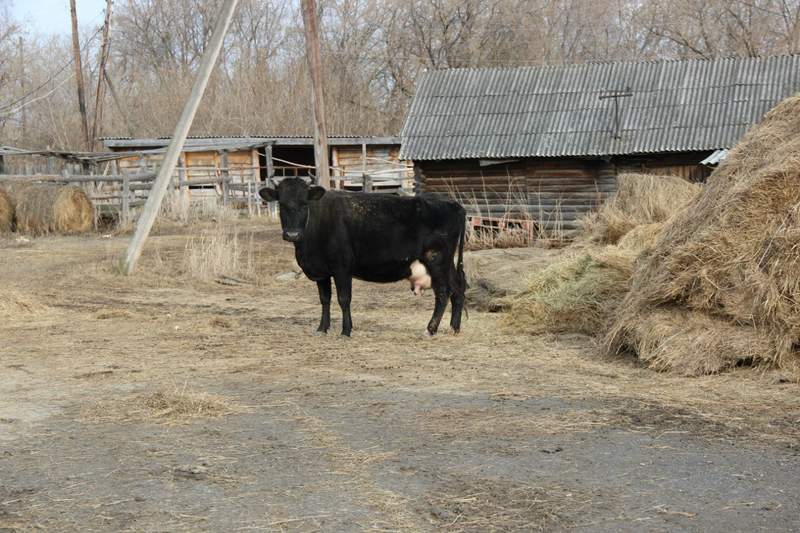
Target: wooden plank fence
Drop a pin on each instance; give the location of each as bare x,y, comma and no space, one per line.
120,195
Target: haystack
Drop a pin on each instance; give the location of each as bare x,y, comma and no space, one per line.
641,237
6,212
640,199
49,208
733,258
574,295
495,274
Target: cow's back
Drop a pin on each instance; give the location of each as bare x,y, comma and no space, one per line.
380,234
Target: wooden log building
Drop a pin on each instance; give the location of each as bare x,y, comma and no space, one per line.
546,143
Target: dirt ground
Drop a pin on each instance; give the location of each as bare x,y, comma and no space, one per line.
160,403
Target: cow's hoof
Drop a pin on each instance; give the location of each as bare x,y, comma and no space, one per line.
428,335
320,333
344,336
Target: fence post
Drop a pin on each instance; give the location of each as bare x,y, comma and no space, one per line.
367,185
223,162
126,206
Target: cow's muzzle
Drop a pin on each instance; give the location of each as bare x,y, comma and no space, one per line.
292,236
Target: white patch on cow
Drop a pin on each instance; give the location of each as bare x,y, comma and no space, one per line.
419,278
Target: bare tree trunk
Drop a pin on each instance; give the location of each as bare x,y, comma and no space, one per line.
76,52
100,93
313,55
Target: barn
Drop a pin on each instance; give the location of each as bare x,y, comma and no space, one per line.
545,143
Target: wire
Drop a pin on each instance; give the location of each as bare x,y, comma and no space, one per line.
29,102
52,77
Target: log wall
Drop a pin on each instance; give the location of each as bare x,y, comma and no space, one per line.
554,192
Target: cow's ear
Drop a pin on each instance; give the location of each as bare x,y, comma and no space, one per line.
315,193
268,194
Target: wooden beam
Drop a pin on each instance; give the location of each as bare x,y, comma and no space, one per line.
99,95
270,166
76,54
175,147
314,56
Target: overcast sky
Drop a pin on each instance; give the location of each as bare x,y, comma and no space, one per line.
51,17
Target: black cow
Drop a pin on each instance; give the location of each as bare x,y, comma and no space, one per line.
372,237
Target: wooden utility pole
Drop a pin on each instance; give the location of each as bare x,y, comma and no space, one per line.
76,53
24,125
314,57
175,147
99,95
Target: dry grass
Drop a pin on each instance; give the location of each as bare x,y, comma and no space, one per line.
6,212
41,209
178,207
733,255
576,294
13,303
170,405
220,253
466,503
641,237
515,226
640,199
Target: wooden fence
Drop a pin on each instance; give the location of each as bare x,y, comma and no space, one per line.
119,195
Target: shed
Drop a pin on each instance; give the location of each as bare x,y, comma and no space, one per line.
251,158
547,142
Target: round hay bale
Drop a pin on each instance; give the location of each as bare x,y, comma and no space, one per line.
49,208
6,212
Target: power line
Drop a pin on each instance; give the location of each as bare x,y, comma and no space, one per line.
52,77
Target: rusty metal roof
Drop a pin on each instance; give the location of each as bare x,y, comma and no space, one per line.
569,110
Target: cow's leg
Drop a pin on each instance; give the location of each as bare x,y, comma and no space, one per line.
442,291
456,300
344,292
324,287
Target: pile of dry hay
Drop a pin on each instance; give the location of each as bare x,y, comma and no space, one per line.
641,199
6,212
581,292
574,295
721,287
45,208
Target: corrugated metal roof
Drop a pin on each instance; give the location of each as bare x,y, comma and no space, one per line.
552,111
716,157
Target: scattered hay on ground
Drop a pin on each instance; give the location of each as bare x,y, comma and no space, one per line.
692,343
492,275
13,303
466,503
640,199
574,295
175,405
732,256
6,212
43,208
113,313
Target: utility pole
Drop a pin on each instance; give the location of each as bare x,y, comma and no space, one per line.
159,189
314,57
76,53
99,95
24,118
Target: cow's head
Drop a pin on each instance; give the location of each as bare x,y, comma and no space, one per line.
293,196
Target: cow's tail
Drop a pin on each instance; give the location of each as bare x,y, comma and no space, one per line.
462,278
